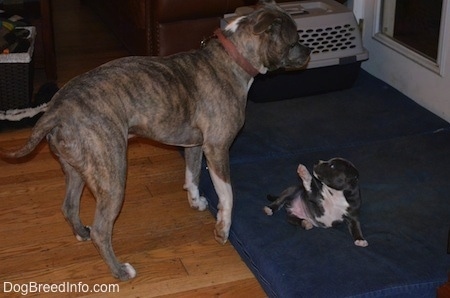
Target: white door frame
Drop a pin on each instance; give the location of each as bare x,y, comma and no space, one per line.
426,82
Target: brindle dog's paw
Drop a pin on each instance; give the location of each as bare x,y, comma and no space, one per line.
362,243
201,204
84,234
125,272
220,234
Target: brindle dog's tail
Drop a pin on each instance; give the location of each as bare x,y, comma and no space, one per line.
40,130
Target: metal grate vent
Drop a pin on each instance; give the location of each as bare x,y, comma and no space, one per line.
329,39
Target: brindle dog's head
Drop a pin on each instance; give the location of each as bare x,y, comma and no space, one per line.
268,38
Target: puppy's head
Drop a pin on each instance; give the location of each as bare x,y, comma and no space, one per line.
337,173
269,37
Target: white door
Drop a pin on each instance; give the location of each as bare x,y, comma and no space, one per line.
424,77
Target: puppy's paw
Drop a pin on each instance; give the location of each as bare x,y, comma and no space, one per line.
199,203
362,243
303,173
307,225
125,272
84,234
268,211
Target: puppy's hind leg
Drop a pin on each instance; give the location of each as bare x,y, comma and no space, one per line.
193,157
304,223
278,202
71,205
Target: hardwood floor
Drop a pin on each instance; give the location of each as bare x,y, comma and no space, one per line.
170,245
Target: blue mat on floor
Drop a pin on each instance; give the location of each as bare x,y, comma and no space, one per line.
402,153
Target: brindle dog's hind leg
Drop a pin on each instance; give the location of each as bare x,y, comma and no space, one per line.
71,205
109,203
193,157
103,168
107,183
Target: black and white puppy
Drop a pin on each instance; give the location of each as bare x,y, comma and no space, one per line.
325,199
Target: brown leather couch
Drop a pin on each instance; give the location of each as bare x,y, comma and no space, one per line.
163,27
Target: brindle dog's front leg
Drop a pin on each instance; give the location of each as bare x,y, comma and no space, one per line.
193,157
219,169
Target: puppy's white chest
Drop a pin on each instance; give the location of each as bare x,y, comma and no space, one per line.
334,204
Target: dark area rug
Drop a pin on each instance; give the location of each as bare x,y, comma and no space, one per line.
402,152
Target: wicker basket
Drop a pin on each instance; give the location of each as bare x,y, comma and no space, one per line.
16,77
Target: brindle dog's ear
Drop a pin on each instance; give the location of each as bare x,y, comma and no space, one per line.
265,23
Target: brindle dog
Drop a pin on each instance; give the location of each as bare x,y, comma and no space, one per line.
196,100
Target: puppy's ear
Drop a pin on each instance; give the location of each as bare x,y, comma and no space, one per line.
265,23
264,2
353,181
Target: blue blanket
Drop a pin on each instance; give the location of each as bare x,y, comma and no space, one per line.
402,153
